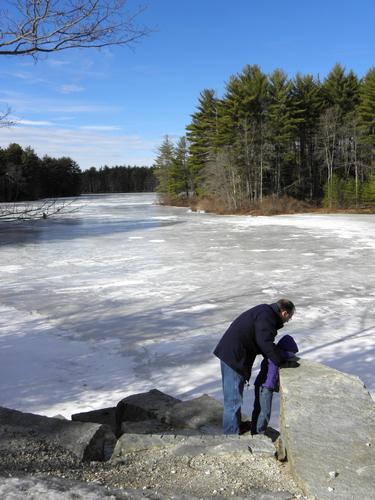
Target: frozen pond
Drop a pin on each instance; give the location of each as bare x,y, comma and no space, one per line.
125,296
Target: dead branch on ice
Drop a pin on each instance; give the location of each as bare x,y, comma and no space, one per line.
37,210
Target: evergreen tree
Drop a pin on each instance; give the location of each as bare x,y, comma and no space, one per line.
164,170
180,171
340,89
307,105
369,191
31,165
202,136
243,112
281,129
366,113
341,97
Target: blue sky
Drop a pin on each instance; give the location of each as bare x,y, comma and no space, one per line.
114,106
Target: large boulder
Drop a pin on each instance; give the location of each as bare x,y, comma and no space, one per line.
203,413
87,441
151,406
156,412
327,421
105,416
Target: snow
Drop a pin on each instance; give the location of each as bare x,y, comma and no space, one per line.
124,296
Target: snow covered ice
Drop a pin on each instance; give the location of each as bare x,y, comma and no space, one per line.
124,296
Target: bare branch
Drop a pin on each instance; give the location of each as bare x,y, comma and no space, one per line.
5,121
43,209
32,27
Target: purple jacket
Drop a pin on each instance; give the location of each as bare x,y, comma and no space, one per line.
268,375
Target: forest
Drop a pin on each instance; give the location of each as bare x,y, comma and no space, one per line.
272,136
119,179
26,177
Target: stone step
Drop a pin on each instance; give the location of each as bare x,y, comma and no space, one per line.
193,445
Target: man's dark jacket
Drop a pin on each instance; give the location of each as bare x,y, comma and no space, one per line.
252,333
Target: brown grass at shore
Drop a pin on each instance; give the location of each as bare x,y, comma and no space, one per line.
270,205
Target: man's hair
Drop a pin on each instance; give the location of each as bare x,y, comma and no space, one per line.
286,305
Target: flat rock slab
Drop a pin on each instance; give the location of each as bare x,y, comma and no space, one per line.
193,445
86,441
328,431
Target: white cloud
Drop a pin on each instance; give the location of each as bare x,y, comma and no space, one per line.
34,104
69,88
28,77
87,147
35,123
100,128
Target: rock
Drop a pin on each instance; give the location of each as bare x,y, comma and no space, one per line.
327,420
105,416
150,426
189,446
41,486
196,413
144,406
61,417
86,441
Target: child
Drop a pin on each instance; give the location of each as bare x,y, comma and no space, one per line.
266,383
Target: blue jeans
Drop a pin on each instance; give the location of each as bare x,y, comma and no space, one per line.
262,409
233,385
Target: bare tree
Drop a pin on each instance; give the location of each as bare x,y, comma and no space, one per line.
34,27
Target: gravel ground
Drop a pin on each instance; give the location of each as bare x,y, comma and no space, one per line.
153,473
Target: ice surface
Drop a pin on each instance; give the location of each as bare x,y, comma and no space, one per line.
125,296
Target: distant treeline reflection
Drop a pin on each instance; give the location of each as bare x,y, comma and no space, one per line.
24,176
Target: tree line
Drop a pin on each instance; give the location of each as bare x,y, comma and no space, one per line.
118,179
26,177
271,135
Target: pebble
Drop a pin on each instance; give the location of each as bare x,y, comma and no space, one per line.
197,476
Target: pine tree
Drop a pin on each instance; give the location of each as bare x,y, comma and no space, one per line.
366,112
340,89
369,191
164,164
241,128
180,170
201,134
281,128
307,105
341,97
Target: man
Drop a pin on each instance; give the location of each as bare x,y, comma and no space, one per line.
252,333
